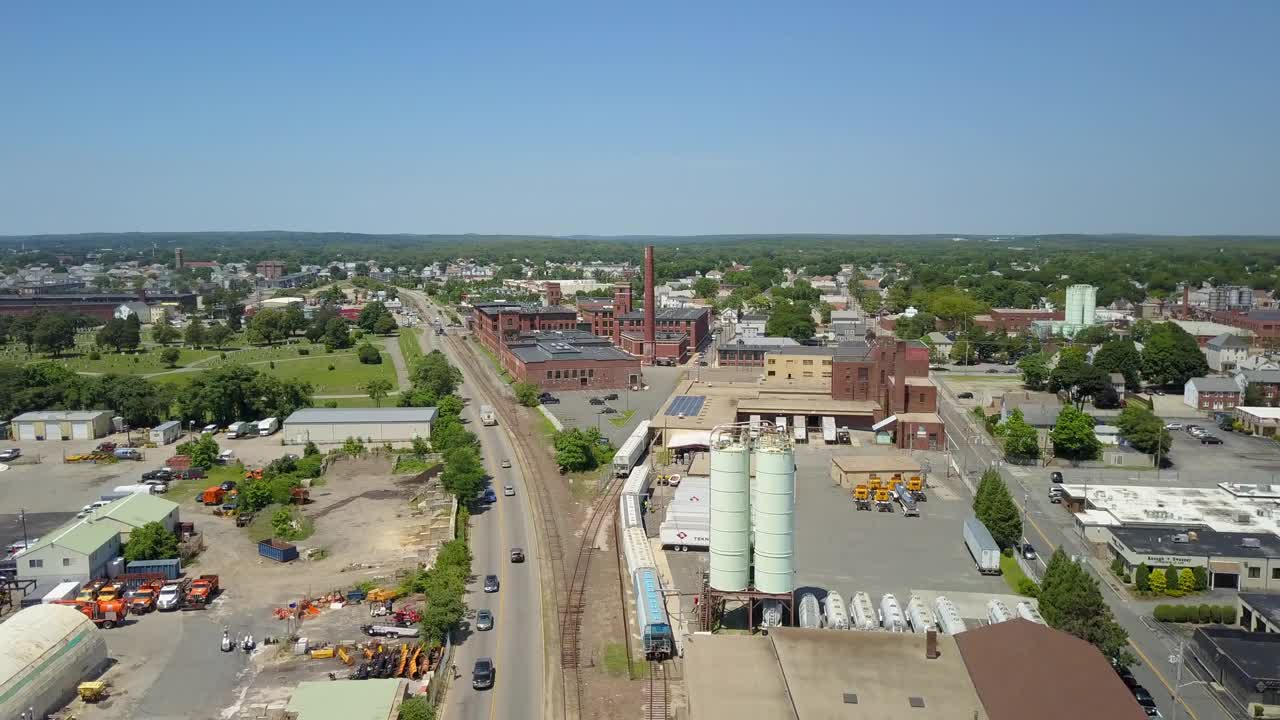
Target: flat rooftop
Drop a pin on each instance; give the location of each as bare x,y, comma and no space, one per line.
1207,543
722,402
1264,604
1256,654
1175,507
798,404
900,461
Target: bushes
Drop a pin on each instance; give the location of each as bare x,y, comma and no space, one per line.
369,355
304,351
1202,613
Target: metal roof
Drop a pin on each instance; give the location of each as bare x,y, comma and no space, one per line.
60,415
32,633
82,536
365,700
338,416
137,509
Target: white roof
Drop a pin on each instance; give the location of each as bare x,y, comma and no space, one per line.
690,438
33,632
1226,508
1265,413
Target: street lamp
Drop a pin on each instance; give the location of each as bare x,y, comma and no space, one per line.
22,515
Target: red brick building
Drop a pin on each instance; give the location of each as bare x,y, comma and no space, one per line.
601,313
693,323
551,293
669,348
1015,320
895,375
271,269
568,360
495,323
1265,324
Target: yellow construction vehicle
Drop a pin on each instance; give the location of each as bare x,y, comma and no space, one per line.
915,486
862,496
92,692
874,483
883,502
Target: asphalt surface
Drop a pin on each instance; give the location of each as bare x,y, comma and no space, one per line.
515,643
1048,526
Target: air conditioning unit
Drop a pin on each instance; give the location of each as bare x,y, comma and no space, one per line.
1251,542
1181,538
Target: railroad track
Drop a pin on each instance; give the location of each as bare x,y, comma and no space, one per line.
656,692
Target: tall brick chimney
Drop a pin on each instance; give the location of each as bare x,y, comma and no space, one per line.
177,258
931,645
650,309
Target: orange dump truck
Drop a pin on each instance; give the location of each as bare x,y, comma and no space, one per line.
213,495
143,599
202,590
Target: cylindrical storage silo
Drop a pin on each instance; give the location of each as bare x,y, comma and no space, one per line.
49,649
730,514
776,514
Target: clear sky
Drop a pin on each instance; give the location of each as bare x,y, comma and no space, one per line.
643,117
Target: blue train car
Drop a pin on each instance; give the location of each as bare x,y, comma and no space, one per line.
656,637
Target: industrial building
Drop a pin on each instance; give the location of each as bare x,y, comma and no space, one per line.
375,699
851,470
494,323
1233,560
1258,612
1227,508
48,651
132,512
1080,311
62,425
676,332
327,426
1245,664
101,306
744,352
1014,321
569,360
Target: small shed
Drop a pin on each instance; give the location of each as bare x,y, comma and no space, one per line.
850,470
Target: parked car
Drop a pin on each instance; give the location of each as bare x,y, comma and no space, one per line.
1173,426
210,429
606,410
1144,699
548,399
611,396
1012,371
992,371
1055,494
517,555
491,583
226,456
228,486
1028,551
1210,440
191,473
596,401
1055,476
939,368
10,454
508,490
482,674
965,396
484,620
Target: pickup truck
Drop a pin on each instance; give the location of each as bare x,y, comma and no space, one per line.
202,590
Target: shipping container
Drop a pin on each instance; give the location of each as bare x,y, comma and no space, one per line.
170,569
62,591
685,536
278,550
985,552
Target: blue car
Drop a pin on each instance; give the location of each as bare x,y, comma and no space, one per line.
490,496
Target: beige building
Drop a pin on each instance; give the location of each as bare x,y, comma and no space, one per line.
850,470
798,366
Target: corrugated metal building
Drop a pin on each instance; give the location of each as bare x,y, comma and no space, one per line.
48,651
62,425
323,426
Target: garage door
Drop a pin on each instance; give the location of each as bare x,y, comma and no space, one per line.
27,431
80,431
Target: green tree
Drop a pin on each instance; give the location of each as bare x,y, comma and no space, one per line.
152,541
1171,356
962,353
1073,435
1142,578
1201,577
295,321
54,333
203,450
705,288
1121,356
998,512
369,315
195,334
254,495
386,325
1186,580
574,449
1021,441
434,374
463,474
1158,582
217,335
1253,396
1071,601
368,354
417,708
378,389
141,403
162,333
986,486
234,392
526,394
120,334
1035,370
793,320
267,327
336,334
282,523
1143,430
169,356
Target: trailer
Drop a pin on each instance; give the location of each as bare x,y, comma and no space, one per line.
919,616
799,430
947,616
983,548
998,612
62,591
487,415
268,426
829,430
906,499
862,613
238,429
810,612
165,432
891,614
1027,611
836,618
633,448
135,489
685,536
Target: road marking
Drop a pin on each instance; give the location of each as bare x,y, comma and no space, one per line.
1160,676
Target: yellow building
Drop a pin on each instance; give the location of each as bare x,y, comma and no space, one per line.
799,366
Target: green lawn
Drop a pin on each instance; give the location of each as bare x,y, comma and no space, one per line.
1012,572
409,346
134,363
347,376
621,419
354,402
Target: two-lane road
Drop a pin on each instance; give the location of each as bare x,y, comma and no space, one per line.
515,643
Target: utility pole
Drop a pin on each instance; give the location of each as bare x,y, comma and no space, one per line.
22,515
1177,684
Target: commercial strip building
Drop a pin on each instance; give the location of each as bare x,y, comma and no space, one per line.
1246,664
1262,421
1233,561
1258,612
62,425
326,426
998,672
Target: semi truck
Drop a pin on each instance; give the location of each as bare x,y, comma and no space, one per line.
268,426
983,548
202,590
829,430
685,536
487,415
238,429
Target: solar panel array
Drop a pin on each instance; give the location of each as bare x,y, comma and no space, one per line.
686,405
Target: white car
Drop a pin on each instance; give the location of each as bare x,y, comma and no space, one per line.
1173,426
508,490
10,454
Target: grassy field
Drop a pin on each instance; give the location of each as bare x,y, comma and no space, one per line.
347,375
409,346
140,363
621,419
1012,572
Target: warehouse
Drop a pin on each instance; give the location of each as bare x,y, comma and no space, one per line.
365,700
77,552
851,470
1234,561
1246,664
49,650
62,425
327,426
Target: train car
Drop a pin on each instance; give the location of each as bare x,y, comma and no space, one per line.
862,612
1027,611
947,616
637,550
656,638
632,449
637,482
629,512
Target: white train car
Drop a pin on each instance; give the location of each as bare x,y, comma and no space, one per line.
637,482
629,512
947,616
837,618
919,615
891,618
862,612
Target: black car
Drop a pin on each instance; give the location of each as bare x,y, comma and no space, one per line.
992,371
596,401
228,486
606,410
1055,476
483,674
1210,440
611,396
965,396
491,583
1144,699
548,399
162,474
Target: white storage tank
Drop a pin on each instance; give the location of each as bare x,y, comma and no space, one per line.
1027,611
919,615
891,614
48,651
947,616
837,618
862,612
810,613
771,613
775,529
730,512
998,612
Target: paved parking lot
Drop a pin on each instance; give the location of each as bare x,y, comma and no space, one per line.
576,410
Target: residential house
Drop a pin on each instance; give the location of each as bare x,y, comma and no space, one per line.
1211,393
1117,384
1268,381
1225,352
1039,409
941,343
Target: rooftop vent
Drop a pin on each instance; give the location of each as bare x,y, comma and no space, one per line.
851,698
1251,542
1181,538
916,701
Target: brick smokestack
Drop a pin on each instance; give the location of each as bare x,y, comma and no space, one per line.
931,645
650,308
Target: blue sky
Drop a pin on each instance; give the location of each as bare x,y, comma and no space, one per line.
631,118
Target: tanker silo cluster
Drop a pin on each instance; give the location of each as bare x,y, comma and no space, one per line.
730,512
